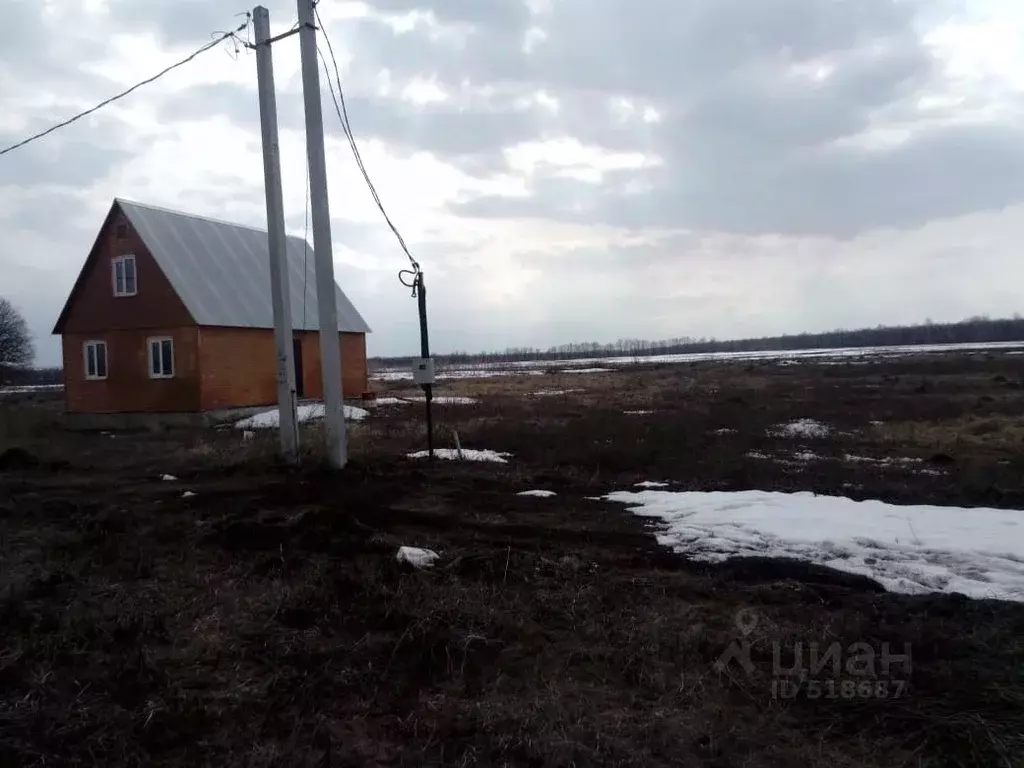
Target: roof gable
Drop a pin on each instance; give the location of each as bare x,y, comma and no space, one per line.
90,305
221,271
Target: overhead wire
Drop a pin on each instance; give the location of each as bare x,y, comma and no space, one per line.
233,34
342,111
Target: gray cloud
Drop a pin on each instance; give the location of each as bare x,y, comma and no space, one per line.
503,14
746,144
473,138
183,22
71,163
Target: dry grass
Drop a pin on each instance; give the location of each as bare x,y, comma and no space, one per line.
21,424
969,432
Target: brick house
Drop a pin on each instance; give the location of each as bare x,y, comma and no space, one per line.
170,319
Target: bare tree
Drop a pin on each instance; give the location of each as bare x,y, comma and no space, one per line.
16,349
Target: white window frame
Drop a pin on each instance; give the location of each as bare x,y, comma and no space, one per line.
149,356
95,344
123,261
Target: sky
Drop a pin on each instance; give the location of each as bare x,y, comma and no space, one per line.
563,170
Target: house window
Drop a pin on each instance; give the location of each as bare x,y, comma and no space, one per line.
161,358
95,359
123,274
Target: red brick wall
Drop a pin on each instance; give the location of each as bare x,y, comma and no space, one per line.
239,366
353,363
128,388
94,307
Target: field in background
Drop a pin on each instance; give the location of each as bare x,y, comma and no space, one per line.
821,356
245,614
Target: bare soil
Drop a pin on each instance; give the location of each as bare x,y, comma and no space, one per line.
264,620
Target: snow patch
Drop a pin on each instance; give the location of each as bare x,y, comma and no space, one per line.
272,419
27,388
805,456
538,494
553,392
386,401
637,413
446,400
651,484
187,495
883,462
168,478
456,373
977,552
724,431
826,356
416,557
467,454
801,428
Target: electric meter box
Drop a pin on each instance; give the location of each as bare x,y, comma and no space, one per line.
423,370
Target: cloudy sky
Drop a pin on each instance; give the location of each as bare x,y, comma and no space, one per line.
563,169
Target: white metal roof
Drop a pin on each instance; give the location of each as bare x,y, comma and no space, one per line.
221,271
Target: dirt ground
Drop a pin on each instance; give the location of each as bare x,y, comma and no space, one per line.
263,619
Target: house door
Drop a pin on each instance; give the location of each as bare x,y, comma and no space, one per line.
300,388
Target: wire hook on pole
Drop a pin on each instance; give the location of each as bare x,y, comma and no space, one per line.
415,278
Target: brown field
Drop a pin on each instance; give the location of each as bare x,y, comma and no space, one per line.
265,621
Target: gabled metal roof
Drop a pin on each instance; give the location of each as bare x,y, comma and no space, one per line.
221,271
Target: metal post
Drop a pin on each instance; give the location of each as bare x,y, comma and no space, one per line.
276,238
428,390
330,339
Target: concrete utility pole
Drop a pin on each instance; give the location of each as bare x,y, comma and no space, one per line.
327,309
280,296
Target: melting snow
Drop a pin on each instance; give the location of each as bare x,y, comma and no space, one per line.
446,400
637,413
539,494
818,356
801,428
806,456
553,392
456,373
308,412
467,454
651,484
978,552
416,557
169,478
187,495
386,401
886,462
26,388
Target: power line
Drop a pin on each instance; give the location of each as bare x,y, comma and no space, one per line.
213,43
342,111
419,290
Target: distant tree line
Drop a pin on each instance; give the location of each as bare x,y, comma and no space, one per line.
23,376
972,330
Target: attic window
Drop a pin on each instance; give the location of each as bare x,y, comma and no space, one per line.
122,273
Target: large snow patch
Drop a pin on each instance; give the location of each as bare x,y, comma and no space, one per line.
977,552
